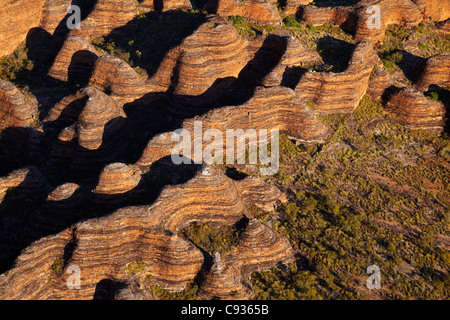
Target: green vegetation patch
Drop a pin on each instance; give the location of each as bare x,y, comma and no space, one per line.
374,193
211,239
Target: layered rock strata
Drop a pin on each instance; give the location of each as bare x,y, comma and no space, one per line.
288,52
97,133
415,111
17,109
258,249
214,52
145,234
53,14
368,19
106,15
15,22
269,108
223,282
76,55
435,71
259,11
434,10
339,92
119,79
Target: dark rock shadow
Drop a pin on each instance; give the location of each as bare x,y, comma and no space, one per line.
292,76
335,3
26,215
251,76
81,67
104,290
335,53
150,36
411,65
19,147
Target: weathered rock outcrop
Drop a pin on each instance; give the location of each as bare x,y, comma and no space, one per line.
403,12
195,72
53,13
118,178
379,81
343,90
105,248
224,282
192,204
415,111
94,185
76,55
291,7
368,19
289,52
436,71
165,5
434,10
259,11
269,108
117,77
259,248
29,181
215,51
16,109
15,22
106,15
316,16
97,132
117,183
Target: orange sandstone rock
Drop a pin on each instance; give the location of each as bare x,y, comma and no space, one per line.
436,71
16,108
260,11
415,111
339,92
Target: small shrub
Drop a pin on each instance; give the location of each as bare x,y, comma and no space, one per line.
291,22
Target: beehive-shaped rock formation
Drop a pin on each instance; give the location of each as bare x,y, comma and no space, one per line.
77,54
343,90
118,178
53,13
415,111
368,19
95,136
214,51
223,283
259,248
114,75
288,51
269,109
436,71
17,109
105,16
105,247
29,181
15,22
